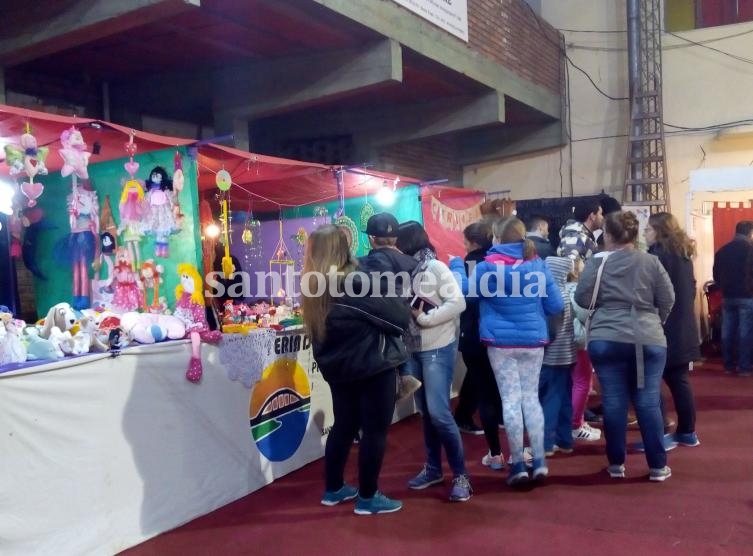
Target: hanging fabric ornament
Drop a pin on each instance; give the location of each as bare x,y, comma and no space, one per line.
32,191
178,182
223,179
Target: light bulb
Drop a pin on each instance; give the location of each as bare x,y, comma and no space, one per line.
212,231
385,196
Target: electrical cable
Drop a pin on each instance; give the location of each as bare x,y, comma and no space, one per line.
695,43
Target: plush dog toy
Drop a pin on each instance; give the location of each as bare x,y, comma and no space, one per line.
86,339
148,328
60,316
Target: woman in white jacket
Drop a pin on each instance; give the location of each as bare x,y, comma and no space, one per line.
437,309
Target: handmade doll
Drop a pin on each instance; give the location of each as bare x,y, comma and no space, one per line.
131,218
78,249
190,309
160,217
74,154
151,278
128,294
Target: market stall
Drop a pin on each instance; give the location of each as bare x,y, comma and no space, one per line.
122,413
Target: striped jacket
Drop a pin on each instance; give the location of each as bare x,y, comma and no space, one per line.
562,351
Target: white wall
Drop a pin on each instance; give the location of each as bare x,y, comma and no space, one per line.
701,88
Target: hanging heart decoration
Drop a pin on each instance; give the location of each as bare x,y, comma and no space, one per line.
131,167
32,191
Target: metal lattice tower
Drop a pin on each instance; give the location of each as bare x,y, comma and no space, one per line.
646,167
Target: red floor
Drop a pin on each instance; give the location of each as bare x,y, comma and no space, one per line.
705,508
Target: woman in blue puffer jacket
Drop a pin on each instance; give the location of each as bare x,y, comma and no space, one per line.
516,293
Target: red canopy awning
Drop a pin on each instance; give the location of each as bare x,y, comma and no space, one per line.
270,183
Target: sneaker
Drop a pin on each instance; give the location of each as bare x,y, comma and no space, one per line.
470,428
518,474
333,498
377,504
587,432
407,385
616,471
425,479
540,470
686,439
669,444
527,456
461,489
660,474
494,462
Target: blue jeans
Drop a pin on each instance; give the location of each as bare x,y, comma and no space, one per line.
434,368
616,368
737,334
555,395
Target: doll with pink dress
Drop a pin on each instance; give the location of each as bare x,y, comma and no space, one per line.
132,213
160,216
128,294
190,309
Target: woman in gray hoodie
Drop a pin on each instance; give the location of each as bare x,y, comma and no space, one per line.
626,340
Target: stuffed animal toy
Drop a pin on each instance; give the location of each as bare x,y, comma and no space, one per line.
74,154
148,328
12,349
86,340
128,294
160,217
60,316
190,309
37,348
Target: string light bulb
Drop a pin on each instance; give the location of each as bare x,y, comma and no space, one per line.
386,194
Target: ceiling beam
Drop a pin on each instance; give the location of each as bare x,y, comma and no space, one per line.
413,32
495,143
84,22
269,87
377,126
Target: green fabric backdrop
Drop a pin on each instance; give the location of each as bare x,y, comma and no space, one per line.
407,206
107,179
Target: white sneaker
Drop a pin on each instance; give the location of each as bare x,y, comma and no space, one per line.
587,433
495,462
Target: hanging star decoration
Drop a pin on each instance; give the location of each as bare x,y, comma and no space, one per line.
74,154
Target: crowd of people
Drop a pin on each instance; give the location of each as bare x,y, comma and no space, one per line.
533,324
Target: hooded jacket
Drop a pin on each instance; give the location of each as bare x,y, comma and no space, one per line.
515,297
363,336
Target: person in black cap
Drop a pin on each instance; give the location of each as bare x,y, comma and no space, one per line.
385,257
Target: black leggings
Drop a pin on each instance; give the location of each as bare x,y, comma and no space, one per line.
676,377
481,378
367,404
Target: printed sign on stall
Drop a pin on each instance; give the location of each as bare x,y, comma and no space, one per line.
281,400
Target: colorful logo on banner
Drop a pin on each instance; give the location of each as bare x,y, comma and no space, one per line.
279,409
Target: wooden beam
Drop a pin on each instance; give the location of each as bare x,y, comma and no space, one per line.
500,142
269,87
86,21
411,31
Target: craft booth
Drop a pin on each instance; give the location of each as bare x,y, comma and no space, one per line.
134,400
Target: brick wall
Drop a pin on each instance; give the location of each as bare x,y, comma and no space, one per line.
506,31
428,159
25,282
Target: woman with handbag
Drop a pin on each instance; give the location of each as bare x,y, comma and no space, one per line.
439,303
629,296
357,344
